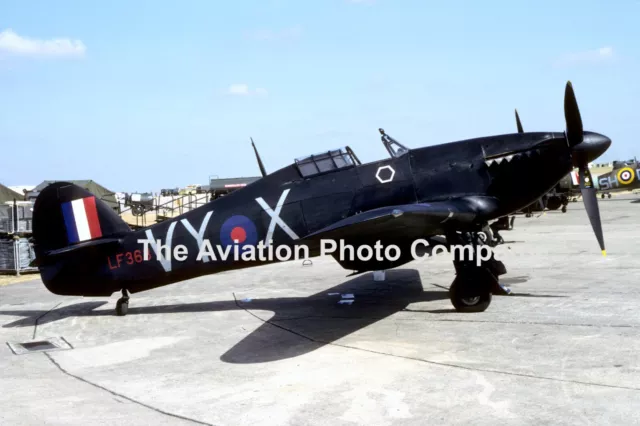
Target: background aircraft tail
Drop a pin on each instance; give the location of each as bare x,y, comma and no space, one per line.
66,215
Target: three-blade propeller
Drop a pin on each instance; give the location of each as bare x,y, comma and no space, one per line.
575,135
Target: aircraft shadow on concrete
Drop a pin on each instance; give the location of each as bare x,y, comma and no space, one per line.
299,325
514,280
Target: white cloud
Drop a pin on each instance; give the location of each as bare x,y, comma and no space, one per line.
589,56
271,35
238,89
244,90
13,43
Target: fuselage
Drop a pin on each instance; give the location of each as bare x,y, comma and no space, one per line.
284,206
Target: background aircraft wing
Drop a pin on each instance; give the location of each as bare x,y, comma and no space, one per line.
408,220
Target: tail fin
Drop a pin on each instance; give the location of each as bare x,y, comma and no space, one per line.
66,215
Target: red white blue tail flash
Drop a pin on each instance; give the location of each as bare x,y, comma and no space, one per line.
81,219
575,179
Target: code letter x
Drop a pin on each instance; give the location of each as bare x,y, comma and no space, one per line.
275,218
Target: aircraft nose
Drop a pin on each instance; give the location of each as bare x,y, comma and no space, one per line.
592,146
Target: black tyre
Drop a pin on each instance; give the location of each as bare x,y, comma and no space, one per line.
469,296
554,203
486,235
608,195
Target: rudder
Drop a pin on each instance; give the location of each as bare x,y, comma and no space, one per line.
65,215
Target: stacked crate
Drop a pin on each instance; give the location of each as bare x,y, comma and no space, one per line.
16,241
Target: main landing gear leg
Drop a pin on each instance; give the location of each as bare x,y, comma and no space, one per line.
473,287
122,305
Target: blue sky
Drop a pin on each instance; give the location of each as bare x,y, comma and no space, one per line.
142,95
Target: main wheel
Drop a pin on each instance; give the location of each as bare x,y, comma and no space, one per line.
122,306
608,195
486,235
469,296
554,203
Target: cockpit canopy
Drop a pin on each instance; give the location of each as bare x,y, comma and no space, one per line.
325,162
343,158
620,164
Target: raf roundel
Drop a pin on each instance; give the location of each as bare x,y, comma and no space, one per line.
625,176
238,228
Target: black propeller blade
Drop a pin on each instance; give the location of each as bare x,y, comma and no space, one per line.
572,116
518,123
541,205
590,201
262,170
575,136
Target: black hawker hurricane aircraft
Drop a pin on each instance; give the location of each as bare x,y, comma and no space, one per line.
83,248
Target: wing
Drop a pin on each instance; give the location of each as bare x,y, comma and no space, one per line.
411,220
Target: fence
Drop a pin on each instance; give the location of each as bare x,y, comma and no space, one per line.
16,254
163,208
16,217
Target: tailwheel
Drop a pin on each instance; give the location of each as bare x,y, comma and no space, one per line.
471,290
122,305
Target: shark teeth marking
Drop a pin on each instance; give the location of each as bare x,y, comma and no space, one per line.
511,157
